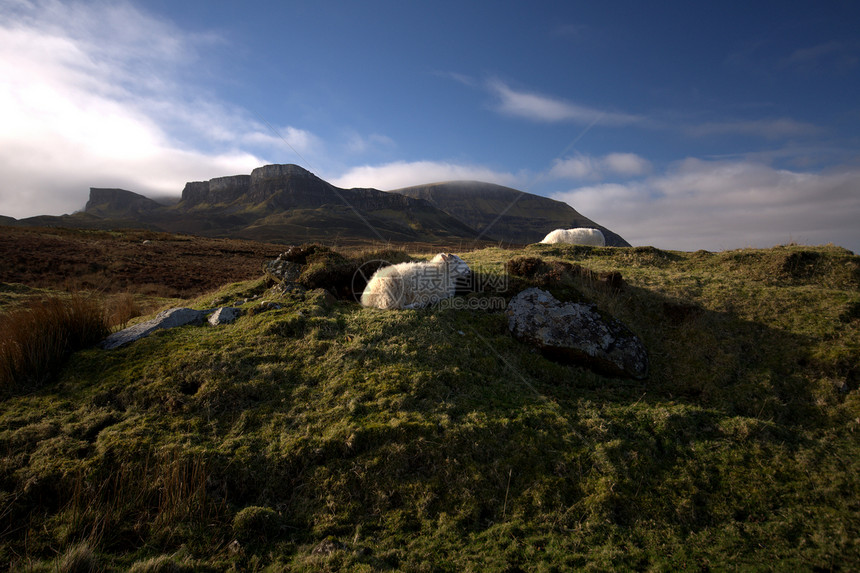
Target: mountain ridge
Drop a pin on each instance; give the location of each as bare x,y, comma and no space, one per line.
507,213
287,203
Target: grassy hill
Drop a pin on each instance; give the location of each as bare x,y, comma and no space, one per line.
324,436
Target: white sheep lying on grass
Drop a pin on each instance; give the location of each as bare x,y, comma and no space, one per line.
580,236
415,285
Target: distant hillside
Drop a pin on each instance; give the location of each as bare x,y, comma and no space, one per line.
288,204
119,204
502,213
143,262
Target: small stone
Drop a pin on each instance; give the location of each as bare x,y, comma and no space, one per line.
224,315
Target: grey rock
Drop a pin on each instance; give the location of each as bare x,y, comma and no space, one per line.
165,319
280,270
224,315
576,333
288,287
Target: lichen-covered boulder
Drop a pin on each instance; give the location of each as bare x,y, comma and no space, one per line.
282,270
576,333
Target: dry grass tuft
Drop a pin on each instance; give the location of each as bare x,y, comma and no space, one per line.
79,558
161,493
37,338
120,309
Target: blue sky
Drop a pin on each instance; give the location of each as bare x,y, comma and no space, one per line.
683,125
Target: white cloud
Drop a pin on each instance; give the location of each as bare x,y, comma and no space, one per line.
358,144
628,164
577,167
95,94
405,174
298,140
543,108
837,55
585,167
464,79
715,205
767,128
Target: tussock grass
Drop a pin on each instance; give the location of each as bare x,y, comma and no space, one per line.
79,558
162,494
35,339
121,308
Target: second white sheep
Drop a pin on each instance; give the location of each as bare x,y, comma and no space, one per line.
579,236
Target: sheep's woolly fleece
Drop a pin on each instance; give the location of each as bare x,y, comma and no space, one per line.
579,236
414,285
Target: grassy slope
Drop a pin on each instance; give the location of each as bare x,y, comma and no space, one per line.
431,440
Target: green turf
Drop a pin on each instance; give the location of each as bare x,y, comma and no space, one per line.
324,436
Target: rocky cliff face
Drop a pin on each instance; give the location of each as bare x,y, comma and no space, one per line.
280,172
215,191
118,203
286,203
264,184
195,192
228,189
289,187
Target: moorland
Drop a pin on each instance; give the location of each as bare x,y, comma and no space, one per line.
319,435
